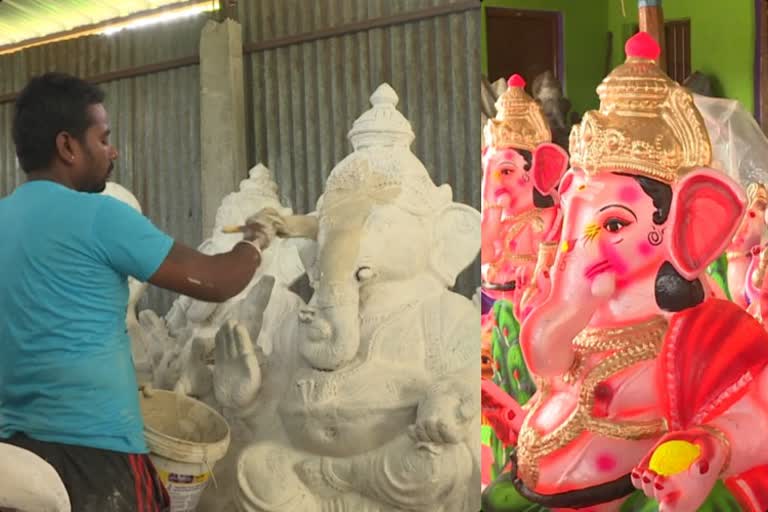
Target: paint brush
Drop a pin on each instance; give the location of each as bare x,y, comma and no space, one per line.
295,226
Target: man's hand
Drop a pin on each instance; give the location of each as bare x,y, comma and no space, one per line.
263,227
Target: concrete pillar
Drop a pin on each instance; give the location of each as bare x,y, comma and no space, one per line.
651,20
222,115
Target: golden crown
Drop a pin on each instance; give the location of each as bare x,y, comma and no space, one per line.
647,123
519,122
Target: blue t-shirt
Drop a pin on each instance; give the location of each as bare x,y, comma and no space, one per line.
66,371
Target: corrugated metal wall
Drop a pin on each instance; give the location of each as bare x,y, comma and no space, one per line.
302,100
304,96
155,119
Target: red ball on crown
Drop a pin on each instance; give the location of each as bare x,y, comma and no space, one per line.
516,81
642,45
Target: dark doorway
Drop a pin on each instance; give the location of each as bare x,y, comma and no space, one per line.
524,42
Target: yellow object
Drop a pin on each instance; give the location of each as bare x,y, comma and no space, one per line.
674,457
647,125
591,231
519,122
564,247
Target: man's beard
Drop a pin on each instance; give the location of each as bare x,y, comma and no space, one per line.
100,186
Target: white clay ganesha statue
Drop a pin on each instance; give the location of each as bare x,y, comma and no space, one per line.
373,384
642,383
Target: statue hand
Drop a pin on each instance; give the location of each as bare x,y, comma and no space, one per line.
444,414
155,332
502,411
155,329
668,477
195,379
251,310
236,374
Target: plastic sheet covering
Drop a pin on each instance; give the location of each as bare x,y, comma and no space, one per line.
739,146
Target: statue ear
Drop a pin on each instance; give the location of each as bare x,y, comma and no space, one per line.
456,241
550,162
706,209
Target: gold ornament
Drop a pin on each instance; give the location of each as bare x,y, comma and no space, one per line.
626,346
519,122
647,124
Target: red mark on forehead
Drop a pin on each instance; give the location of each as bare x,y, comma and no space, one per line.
629,194
510,154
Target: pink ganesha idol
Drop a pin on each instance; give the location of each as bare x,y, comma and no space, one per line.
521,169
641,382
749,235
755,284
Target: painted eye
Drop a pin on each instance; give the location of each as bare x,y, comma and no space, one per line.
506,171
614,225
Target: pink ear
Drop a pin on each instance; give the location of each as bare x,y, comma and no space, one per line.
550,162
706,209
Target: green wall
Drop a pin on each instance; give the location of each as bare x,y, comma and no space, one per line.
722,40
586,43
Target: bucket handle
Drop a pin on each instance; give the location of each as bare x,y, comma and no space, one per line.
210,471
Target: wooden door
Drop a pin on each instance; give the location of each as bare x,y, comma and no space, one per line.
524,42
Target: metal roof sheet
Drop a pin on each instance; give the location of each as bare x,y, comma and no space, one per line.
22,20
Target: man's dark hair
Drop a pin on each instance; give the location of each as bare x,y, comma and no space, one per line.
48,105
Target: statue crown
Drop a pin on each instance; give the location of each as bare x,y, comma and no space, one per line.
519,122
647,124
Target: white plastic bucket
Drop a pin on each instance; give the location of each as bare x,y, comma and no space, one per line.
185,438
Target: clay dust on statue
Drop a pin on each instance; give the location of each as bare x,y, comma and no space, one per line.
325,410
346,437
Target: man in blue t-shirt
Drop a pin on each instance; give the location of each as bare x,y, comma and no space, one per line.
68,390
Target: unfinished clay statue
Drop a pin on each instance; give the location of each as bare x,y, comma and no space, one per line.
183,342
369,398
29,483
548,92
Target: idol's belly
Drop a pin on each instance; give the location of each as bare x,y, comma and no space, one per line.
572,446
346,413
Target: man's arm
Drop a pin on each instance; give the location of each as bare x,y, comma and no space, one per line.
212,278
128,242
